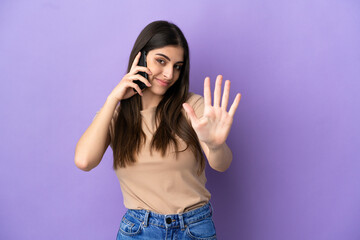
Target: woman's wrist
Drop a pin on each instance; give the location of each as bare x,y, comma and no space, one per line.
112,100
213,147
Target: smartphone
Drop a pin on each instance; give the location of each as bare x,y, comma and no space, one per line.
142,62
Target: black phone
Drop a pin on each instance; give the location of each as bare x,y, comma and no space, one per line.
142,62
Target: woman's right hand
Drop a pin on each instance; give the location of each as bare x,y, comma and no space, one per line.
124,89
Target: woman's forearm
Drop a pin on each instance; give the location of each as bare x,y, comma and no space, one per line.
220,158
95,140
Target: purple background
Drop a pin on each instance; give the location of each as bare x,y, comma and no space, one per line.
295,137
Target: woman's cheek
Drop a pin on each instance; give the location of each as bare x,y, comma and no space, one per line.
152,67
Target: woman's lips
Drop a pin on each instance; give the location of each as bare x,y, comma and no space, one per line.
162,83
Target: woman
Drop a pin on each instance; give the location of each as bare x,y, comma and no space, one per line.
157,135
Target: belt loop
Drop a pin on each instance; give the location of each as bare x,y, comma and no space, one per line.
211,208
181,220
146,218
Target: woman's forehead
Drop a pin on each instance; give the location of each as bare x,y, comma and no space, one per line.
175,53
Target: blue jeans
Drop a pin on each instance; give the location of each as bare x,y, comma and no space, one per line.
145,224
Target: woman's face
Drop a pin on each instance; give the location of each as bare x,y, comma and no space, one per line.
165,64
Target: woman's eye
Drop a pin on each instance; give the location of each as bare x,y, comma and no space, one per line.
160,61
178,67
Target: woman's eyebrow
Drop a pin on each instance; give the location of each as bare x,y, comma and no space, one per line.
163,55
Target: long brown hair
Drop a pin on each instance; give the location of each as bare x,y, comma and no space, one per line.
129,136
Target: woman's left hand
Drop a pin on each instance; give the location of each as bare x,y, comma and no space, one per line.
214,126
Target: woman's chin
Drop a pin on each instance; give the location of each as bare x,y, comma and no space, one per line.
153,90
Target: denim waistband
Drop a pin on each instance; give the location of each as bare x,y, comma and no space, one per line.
172,220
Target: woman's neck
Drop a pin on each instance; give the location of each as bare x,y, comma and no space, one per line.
150,100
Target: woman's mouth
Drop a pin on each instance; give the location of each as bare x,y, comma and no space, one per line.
162,83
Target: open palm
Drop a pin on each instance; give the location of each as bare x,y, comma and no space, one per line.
214,126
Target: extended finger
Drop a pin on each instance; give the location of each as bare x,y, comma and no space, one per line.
234,105
137,69
225,97
191,113
136,61
141,78
136,87
207,92
217,91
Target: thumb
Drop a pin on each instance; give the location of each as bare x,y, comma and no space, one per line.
191,113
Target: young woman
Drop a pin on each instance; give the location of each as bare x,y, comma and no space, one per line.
157,135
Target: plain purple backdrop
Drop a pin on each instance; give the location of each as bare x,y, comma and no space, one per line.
295,137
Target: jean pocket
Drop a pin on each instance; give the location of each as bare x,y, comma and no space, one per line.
130,226
204,230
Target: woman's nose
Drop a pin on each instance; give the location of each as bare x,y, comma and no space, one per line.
168,73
